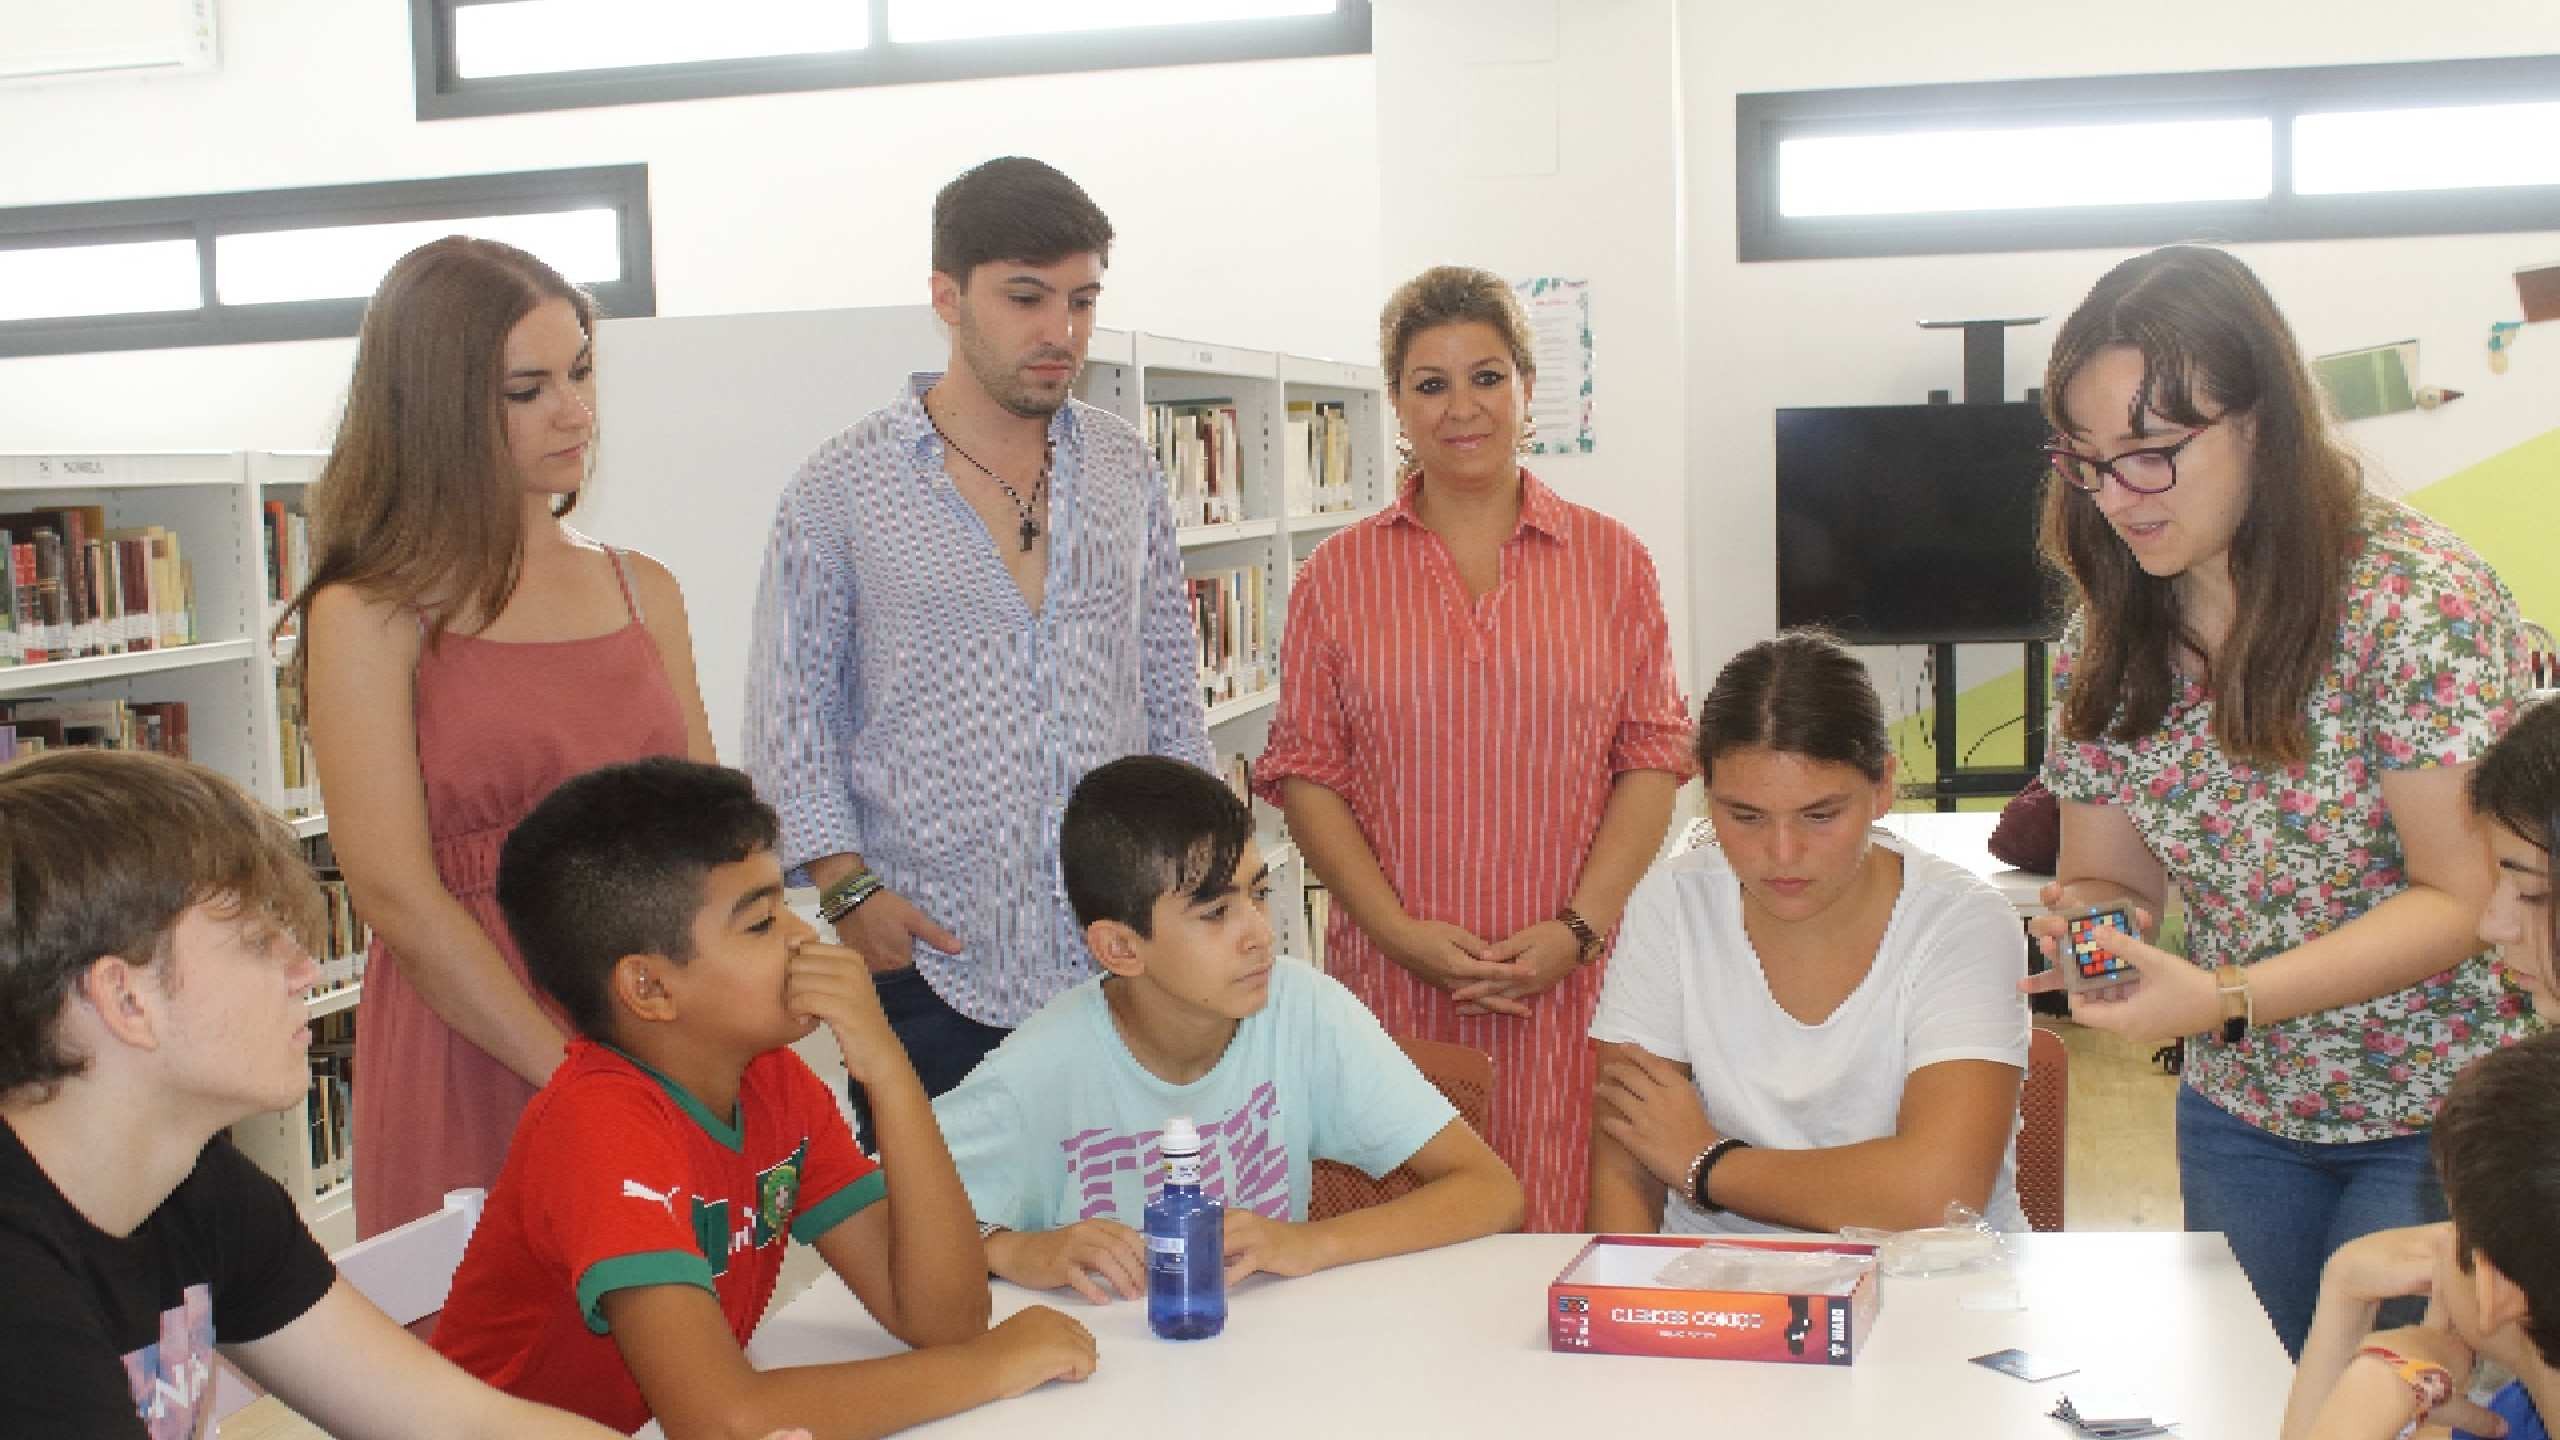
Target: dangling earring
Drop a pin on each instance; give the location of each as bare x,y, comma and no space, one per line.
1528,445
1406,465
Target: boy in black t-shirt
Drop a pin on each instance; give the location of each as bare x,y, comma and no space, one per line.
155,939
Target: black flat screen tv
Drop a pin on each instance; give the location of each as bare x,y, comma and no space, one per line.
1913,524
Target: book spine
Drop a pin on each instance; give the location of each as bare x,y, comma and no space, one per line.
32,648
133,562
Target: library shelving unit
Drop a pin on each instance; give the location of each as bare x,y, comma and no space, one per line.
226,678
1261,525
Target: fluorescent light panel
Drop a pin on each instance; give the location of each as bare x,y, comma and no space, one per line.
2030,168
341,261
916,21
2438,148
542,37
78,280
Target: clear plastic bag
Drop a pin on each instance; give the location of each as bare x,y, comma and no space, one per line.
1761,1269
1962,1244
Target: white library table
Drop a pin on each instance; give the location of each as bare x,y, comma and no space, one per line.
1963,837
1453,1342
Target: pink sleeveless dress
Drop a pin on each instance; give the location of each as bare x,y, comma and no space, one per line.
499,724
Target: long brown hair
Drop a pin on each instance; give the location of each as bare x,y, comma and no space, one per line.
2208,332
417,503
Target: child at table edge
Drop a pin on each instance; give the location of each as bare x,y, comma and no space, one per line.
632,1240
2492,1271
1195,1015
153,974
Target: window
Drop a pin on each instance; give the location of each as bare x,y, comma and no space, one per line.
492,57
296,264
2249,155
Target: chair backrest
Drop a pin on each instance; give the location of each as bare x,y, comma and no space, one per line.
409,1270
2044,1117
406,1272
1464,1075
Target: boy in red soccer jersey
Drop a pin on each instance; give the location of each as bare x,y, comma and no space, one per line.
633,1238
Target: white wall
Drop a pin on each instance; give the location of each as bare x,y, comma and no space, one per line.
1538,137
1243,195
1767,335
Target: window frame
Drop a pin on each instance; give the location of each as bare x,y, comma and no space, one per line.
204,218
1763,120
442,94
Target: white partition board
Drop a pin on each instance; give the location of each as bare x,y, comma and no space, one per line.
703,419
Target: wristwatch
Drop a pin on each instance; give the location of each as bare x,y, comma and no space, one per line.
2239,1007
1591,941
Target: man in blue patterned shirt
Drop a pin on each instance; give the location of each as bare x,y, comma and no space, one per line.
970,598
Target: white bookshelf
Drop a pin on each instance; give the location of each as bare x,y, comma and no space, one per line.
211,499
1126,373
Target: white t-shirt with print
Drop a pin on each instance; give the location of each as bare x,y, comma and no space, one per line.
1686,985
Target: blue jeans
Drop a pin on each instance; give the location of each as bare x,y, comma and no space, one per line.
2286,1204
943,1044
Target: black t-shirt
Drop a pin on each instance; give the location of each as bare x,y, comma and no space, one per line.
101,1337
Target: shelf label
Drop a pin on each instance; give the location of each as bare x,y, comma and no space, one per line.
67,470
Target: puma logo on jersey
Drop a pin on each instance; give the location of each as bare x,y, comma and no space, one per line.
634,1190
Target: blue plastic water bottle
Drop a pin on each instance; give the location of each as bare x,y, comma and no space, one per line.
1186,1244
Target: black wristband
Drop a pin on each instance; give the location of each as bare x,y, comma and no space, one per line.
1706,1167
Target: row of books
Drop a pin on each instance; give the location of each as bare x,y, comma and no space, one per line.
76,587
293,744
1316,466
344,936
328,1105
1238,771
1231,609
31,727
287,536
1198,445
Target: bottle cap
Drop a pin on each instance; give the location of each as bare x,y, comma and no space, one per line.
1180,1137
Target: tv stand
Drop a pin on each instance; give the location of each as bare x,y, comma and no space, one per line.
1984,362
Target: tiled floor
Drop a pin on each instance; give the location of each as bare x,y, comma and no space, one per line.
2120,1167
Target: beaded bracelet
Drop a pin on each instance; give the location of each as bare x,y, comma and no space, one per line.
2430,1382
1696,1186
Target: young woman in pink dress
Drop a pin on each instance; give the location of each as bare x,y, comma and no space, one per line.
464,652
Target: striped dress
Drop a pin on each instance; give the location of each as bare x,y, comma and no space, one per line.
1476,742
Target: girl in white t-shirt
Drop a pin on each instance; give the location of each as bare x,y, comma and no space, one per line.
1806,1025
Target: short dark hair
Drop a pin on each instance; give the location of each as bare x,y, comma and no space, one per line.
101,853
2497,1148
1014,208
612,863
1802,693
1145,827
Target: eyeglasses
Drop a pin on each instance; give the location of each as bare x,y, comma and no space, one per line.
2147,471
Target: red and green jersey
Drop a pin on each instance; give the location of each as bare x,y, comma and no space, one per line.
618,1178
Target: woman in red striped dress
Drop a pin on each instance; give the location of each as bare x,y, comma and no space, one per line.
1479,733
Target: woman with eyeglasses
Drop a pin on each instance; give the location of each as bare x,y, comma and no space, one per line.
2270,696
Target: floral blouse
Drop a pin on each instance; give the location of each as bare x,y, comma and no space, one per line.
2428,670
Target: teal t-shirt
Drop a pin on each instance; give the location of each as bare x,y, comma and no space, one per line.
1059,1124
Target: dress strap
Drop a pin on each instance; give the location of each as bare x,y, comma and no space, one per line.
622,577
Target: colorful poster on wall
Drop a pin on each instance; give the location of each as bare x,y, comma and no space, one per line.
1560,338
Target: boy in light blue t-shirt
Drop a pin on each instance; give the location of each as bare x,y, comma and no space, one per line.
1055,1132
